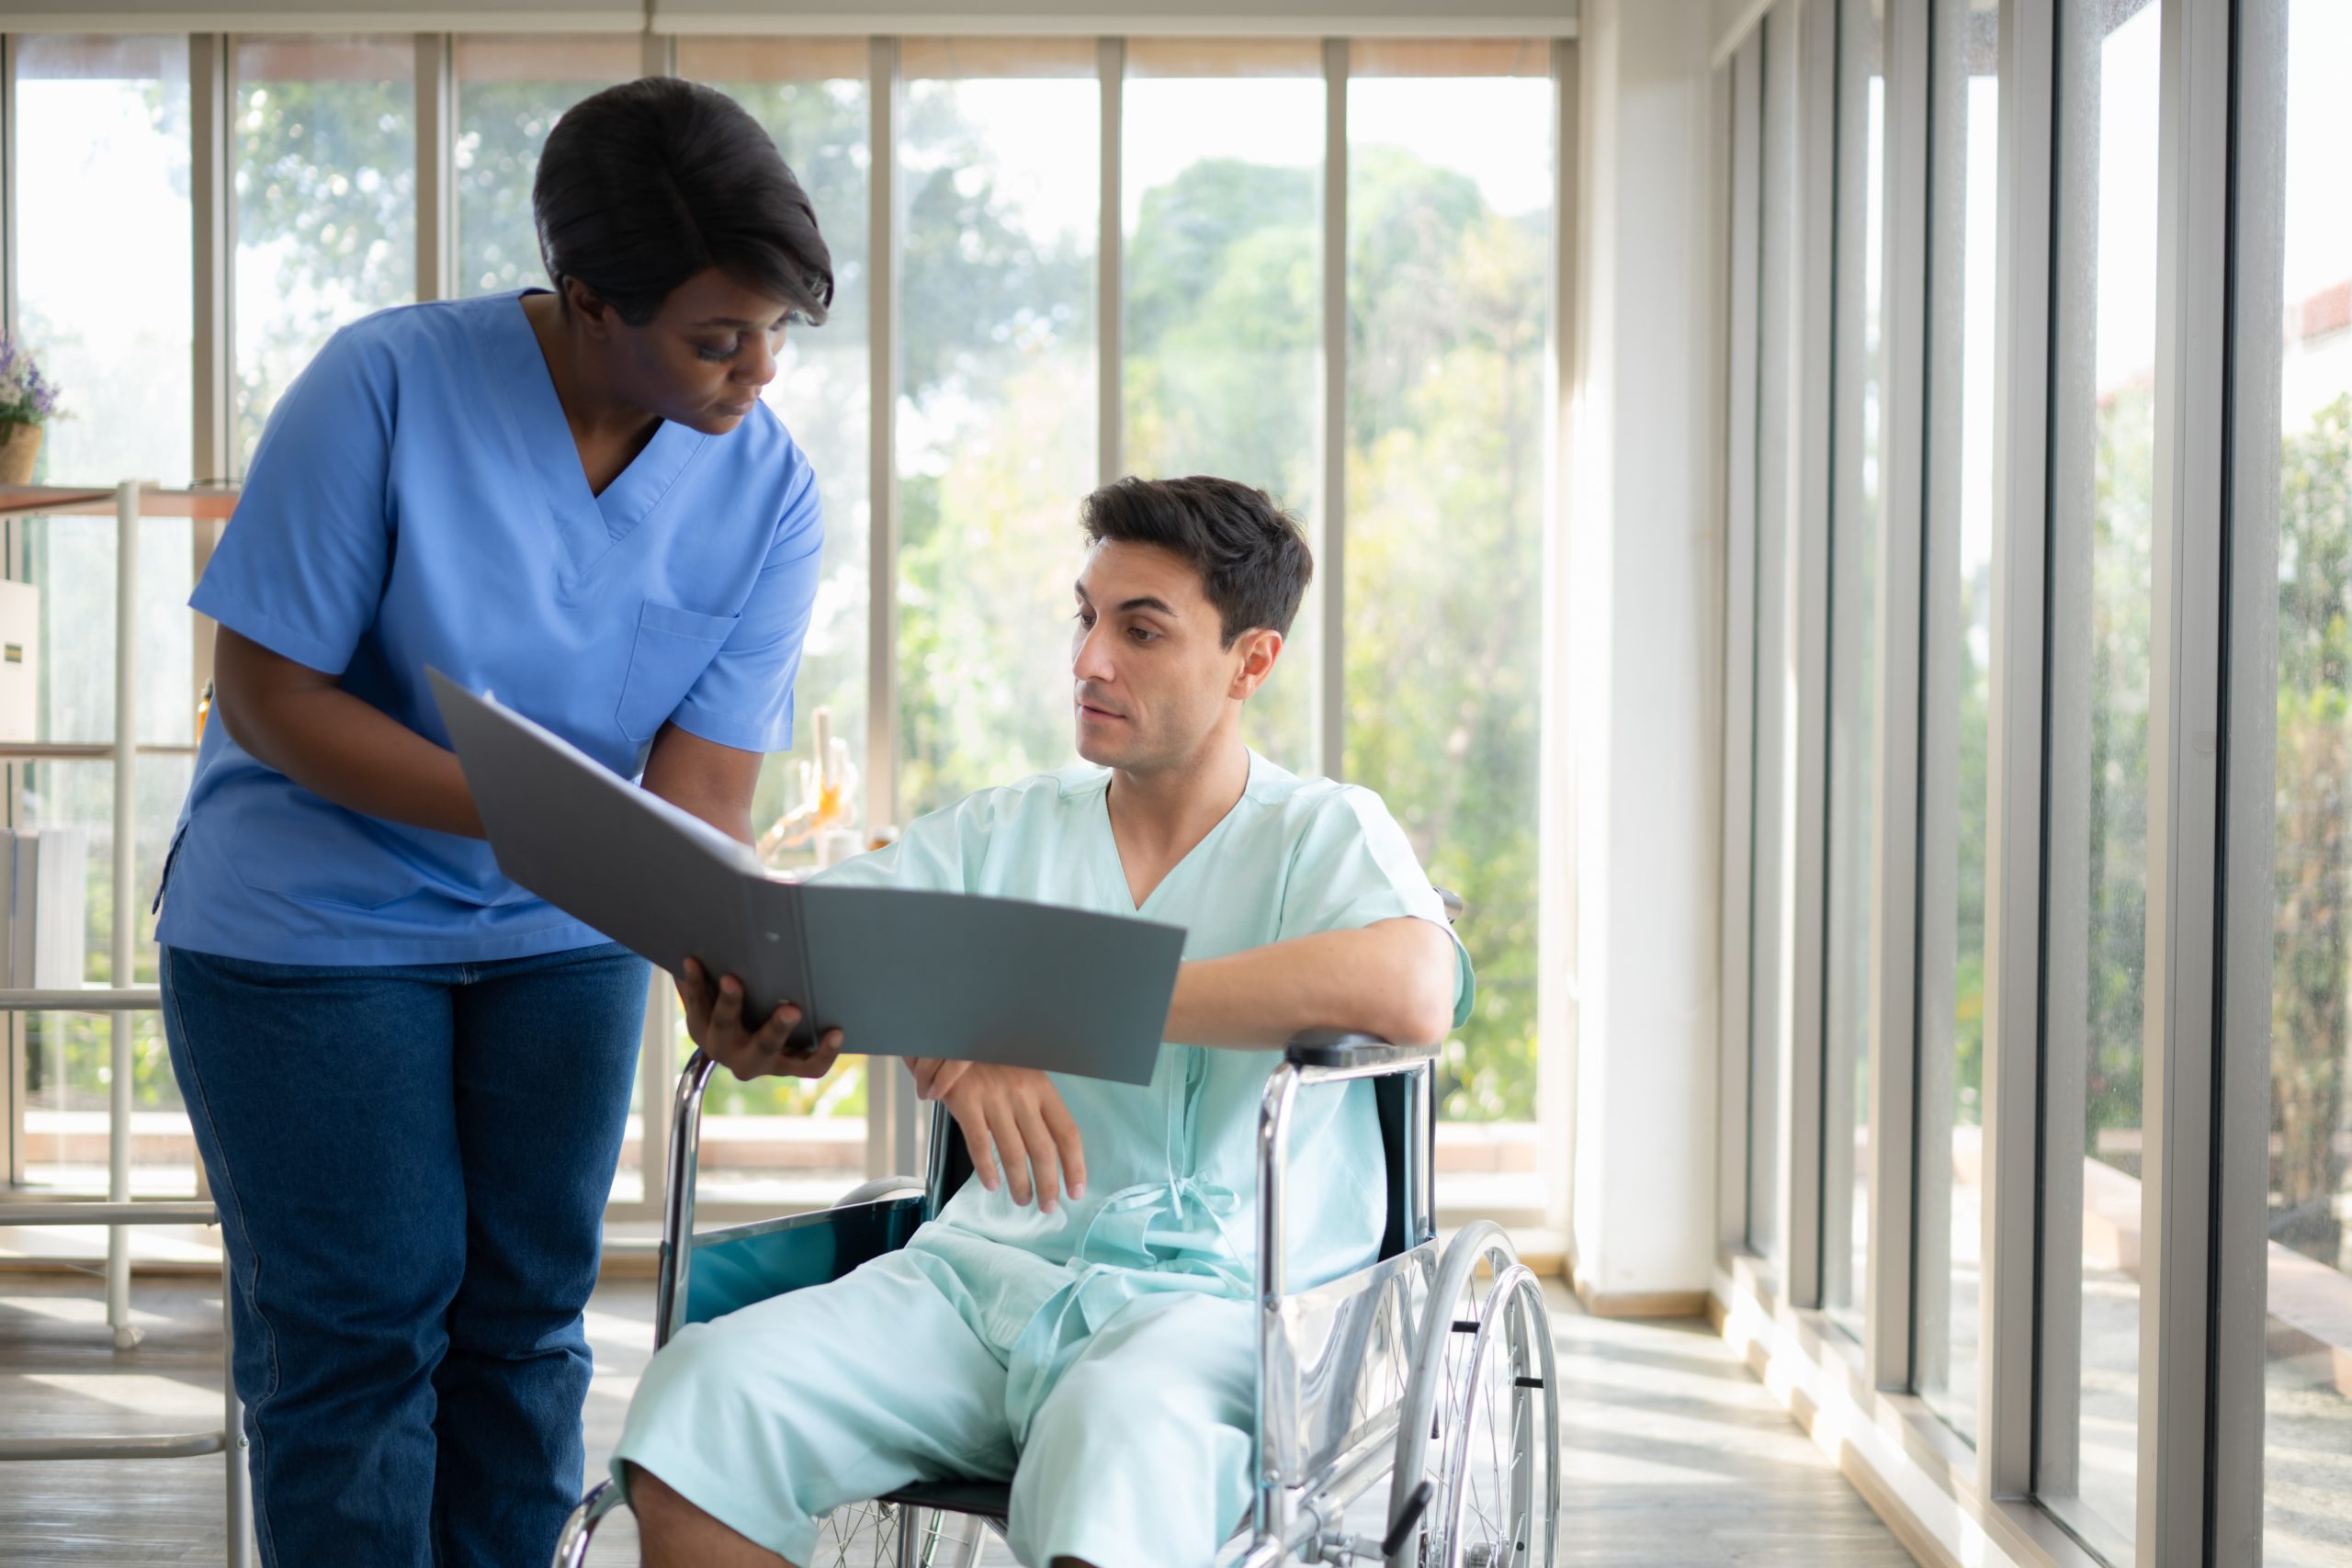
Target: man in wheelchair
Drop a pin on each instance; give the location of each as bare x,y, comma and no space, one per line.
1078,1319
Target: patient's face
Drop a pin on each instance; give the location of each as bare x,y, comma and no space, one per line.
1151,674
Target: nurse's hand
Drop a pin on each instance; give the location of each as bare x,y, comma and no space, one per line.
1020,1134
715,1019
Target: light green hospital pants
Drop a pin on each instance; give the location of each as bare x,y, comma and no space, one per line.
770,1416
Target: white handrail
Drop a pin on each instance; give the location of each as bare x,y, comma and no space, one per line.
126,894
89,1211
81,998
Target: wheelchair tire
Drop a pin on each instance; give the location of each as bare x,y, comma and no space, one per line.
876,1535
1434,1389
1499,1504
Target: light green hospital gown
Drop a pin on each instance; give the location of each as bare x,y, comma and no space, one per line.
1107,1348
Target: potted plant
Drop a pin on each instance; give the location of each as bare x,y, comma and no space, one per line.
27,404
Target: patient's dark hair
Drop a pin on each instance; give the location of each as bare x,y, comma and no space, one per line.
1252,555
644,185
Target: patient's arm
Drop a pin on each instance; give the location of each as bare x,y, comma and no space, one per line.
1393,978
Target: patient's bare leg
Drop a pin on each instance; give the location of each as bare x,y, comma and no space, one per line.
673,1533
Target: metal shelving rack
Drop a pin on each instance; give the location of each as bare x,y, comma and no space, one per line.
131,502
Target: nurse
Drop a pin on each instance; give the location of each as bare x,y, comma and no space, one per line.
407,1077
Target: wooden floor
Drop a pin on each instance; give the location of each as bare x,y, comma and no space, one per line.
1673,1455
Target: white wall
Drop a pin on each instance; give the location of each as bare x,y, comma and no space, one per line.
1644,597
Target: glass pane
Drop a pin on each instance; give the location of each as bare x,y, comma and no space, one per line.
102,133
821,394
2307,1454
790,1139
325,154
1449,192
2101,541
1964,187
1001,188
782,1143
103,129
1853,666
70,807
1223,338
511,90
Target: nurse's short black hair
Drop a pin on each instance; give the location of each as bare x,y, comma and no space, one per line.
1252,555
644,185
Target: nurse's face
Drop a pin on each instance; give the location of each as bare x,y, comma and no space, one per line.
702,359
1152,675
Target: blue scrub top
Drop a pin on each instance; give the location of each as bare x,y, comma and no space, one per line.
418,500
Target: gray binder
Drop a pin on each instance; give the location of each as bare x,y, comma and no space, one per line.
899,972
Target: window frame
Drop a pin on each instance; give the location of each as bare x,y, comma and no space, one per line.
894,1125
2206,1112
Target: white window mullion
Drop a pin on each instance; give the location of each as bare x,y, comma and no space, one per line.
2012,1093
1331,566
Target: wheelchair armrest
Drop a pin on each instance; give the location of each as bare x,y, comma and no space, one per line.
879,1188
1346,1049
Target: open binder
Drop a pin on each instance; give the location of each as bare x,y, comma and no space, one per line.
899,972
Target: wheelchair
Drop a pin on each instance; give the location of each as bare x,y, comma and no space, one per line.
1431,1370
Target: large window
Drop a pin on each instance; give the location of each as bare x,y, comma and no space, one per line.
795,1139
1450,196
2101,537
510,93
1857,405
2307,1452
999,207
1770,928
1224,241
103,130
2112,977
323,134
1221,180
1965,109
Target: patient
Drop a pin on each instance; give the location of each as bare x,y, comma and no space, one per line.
1078,1318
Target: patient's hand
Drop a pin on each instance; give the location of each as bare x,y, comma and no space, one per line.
935,1076
715,1019
1017,1128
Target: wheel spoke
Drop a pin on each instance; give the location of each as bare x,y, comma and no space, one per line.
1497,1486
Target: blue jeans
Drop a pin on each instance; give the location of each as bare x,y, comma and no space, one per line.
411,1164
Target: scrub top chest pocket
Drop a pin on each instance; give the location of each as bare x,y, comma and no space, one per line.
672,648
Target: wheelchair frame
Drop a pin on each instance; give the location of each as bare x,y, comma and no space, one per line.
1391,1328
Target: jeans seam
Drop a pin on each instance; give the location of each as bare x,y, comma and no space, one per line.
269,1330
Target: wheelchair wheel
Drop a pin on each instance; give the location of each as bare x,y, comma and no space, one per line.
1497,1505
1436,1393
889,1535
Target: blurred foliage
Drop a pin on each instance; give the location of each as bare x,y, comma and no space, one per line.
2312,865
1445,487
2122,615
325,200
